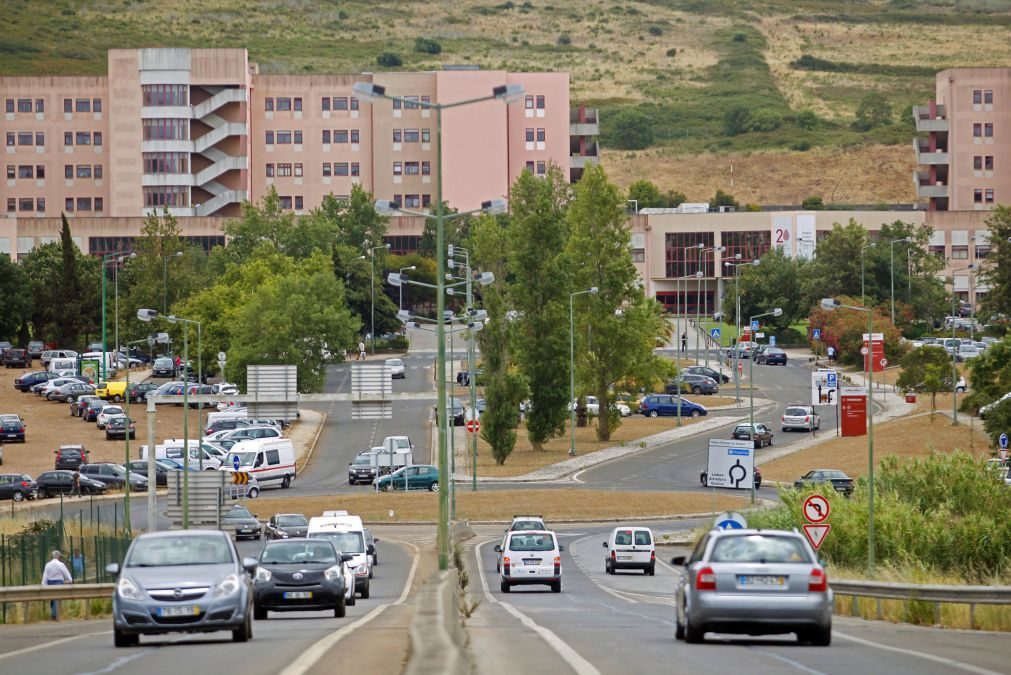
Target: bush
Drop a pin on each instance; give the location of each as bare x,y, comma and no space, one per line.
389,60
807,119
813,203
737,120
656,30
740,37
874,111
427,46
672,52
765,120
564,40
633,130
801,146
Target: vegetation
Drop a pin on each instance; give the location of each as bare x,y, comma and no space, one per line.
926,369
997,272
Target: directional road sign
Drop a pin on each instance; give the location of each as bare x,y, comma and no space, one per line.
731,520
235,462
816,334
816,534
715,332
816,508
1003,441
731,464
754,325
473,426
240,478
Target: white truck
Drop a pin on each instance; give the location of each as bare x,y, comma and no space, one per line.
396,452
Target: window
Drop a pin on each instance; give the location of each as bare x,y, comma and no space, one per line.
426,99
82,105
84,171
340,168
298,170
164,94
10,105
98,171
268,104
988,130
68,171
82,138
977,130
398,168
977,96
68,105
11,172
68,138
354,136
40,106
24,105
99,204
168,195
426,135
298,137
284,170
340,103
40,204
11,136
977,162
326,168
412,201
426,168
40,138
340,136
541,168
40,171
160,162
397,136
326,137
297,102
977,196
98,138
285,202
283,104
411,136
26,171
165,130
355,169
540,102
528,103
426,200
96,105
411,103
412,168
12,205
284,137
25,138
396,104
354,103
26,204
960,252
540,135
84,203
270,170
530,167
326,103
270,138
982,250
988,196
988,96
298,202
988,162
68,205
530,135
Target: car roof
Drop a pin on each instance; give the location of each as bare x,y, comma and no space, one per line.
169,534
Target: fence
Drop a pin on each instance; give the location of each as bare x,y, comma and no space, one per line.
937,594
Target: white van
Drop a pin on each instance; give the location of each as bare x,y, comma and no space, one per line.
237,414
268,459
172,448
347,540
64,363
630,548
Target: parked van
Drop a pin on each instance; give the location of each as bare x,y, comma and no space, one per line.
630,548
268,459
172,448
64,363
50,354
213,417
348,537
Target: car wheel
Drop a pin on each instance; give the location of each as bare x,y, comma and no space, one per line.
259,613
108,437
117,398
651,570
365,591
607,567
340,610
556,586
783,429
654,413
696,413
244,632
253,492
49,397
286,482
504,586
770,441
70,399
819,637
679,630
375,559
693,635
697,390
18,496
388,487
434,487
121,639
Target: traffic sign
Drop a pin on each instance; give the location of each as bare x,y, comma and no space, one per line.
863,351
240,478
816,534
816,508
731,520
754,325
1003,441
715,333
473,426
831,379
731,464
884,362
772,340
816,334
222,356
235,462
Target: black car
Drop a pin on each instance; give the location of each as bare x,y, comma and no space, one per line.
241,522
463,377
163,367
35,349
139,467
70,457
62,482
298,575
762,434
720,378
77,407
138,392
839,480
12,430
286,526
771,356
362,470
117,427
29,380
18,486
113,475
17,358
457,411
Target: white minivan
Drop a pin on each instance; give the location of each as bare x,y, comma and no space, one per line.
630,548
270,460
530,557
348,537
172,448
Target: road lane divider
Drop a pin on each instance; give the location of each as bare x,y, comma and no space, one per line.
50,643
627,596
951,663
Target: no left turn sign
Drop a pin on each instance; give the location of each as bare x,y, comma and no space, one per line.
816,508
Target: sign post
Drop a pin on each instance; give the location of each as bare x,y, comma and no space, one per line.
731,464
816,511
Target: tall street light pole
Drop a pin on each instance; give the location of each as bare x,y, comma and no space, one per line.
697,248
713,250
119,256
678,351
955,348
737,316
863,291
402,270
126,445
510,93
751,382
831,304
572,369
891,249
164,299
372,254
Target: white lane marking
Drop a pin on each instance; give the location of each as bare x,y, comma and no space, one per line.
52,643
909,652
121,661
311,656
799,666
615,592
568,654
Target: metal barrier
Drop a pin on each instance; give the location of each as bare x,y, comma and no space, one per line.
936,593
26,595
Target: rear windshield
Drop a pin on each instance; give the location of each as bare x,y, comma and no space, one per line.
291,521
834,474
796,412
531,542
10,425
527,525
309,552
642,538
759,548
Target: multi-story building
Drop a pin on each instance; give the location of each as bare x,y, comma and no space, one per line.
964,155
200,131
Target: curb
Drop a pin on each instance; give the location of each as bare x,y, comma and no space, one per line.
312,444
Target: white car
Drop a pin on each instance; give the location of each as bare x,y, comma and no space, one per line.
53,385
396,367
530,557
630,548
800,417
105,413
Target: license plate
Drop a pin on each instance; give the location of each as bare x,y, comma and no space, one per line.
298,595
246,530
761,580
624,557
10,435
531,562
186,610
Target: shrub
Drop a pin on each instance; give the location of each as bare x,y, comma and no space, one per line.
874,111
672,52
633,130
564,40
722,198
765,120
737,120
813,203
656,30
801,146
807,119
740,37
389,60
427,46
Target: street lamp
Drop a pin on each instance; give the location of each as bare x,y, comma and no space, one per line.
737,316
863,293
164,260
955,347
831,304
119,257
372,254
891,249
126,445
508,93
684,258
698,301
402,270
572,369
678,280
751,381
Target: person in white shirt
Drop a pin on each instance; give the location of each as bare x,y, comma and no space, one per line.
55,574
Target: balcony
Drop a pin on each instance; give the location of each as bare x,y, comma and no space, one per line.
587,126
588,158
927,190
924,155
924,121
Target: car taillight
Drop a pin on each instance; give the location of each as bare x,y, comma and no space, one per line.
558,565
807,418
818,581
613,556
505,566
24,483
783,418
705,580
652,556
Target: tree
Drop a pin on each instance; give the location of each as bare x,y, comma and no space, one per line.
874,111
737,120
622,324
15,289
844,329
647,195
776,282
996,272
537,235
813,203
456,231
427,46
835,269
631,129
989,375
919,293
765,120
926,369
722,198
389,60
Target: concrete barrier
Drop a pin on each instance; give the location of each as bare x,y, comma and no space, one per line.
438,641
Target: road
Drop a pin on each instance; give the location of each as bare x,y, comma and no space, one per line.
624,623
296,639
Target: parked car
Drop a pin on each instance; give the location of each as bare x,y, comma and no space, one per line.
967,353
62,482
12,430
530,557
29,380
113,475
458,412
240,521
761,434
106,413
161,470
414,477
839,480
17,358
71,391
51,386
92,409
70,457
687,383
771,356
657,405
163,367
985,410
200,390
119,426
300,575
397,369
249,434
630,548
77,407
463,377
189,581
754,582
720,378
111,390
35,349
226,425
704,478
18,487
286,526
138,392
741,350
4,346
801,417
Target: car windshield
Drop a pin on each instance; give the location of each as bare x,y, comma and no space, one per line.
291,521
245,458
345,542
178,550
394,362
527,525
362,459
163,363
796,412
239,512
299,553
531,542
759,548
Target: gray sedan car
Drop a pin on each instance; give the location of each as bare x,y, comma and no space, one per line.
756,582
182,582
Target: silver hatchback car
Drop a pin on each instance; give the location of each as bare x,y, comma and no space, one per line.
800,417
756,582
188,582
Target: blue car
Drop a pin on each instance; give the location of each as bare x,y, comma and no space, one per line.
656,405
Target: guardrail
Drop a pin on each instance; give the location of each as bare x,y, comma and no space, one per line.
29,594
936,593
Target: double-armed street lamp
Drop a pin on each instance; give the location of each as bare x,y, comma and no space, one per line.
685,278
737,315
572,369
119,257
402,270
863,285
698,301
751,382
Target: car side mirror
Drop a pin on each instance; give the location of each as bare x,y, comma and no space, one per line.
371,550
604,543
346,557
376,540
498,548
822,563
561,547
678,560
112,569
250,564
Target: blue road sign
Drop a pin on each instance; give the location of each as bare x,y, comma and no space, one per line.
772,340
235,462
1003,441
729,525
830,380
816,334
754,325
715,332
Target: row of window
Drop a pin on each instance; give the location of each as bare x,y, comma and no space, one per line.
339,103
166,162
38,204
38,138
26,138
287,104
982,96
982,196
83,204
412,168
413,201
81,105
166,130
982,162
26,204
982,130
166,195
287,202
411,102
341,135
412,135
959,252
284,137
539,168
38,171
284,169
531,101
535,133
82,138
26,171
165,94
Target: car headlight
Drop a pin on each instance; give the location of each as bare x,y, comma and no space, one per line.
284,535
263,574
333,573
227,586
362,569
128,590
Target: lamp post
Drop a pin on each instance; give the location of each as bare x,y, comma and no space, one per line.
119,256
954,347
509,93
572,369
751,381
714,250
402,270
737,316
863,292
831,304
891,249
678,351
164,260
126,444
372,254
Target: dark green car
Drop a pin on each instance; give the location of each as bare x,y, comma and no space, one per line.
414,477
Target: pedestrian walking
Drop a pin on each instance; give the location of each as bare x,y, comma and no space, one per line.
831,354
684,342
55,574
76,490
77,563
361,350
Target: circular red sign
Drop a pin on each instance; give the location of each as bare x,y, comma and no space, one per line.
473,425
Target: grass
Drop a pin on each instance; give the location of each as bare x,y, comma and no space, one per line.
499,505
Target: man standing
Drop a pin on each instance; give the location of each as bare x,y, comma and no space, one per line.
684,342
55,574
361,350
76,490
831,354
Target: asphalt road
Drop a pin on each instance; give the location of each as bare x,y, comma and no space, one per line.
85,647
625,623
